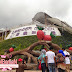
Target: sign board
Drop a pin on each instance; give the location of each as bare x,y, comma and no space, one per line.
9,65
31,30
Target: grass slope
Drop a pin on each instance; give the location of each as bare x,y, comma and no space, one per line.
24,42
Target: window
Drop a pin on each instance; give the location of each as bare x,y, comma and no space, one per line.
17,34
25,33
33,32
53,32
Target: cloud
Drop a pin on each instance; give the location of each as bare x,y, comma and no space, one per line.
59,8
15,12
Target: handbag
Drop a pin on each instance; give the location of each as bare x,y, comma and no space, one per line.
39,67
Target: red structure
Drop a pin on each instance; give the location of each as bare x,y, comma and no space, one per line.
47,38
11,49
70,48
40,34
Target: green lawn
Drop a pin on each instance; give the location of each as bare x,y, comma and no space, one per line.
24,42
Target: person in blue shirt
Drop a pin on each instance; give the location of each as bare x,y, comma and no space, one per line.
41,59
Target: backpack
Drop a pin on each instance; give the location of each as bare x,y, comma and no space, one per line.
59,58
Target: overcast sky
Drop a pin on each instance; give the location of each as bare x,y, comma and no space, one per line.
15,12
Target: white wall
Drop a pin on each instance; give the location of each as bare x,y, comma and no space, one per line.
31,30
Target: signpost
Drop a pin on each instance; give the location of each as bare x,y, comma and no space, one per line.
31,30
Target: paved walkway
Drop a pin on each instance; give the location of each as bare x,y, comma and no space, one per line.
26,71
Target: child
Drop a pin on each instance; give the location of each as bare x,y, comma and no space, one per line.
21,65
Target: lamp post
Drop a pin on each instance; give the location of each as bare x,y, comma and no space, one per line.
5,33
45,20
2,35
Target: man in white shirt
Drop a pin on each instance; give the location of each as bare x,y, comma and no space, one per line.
67,60
50,60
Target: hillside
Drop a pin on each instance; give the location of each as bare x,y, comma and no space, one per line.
24,42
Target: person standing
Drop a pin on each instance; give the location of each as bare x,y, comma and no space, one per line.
60,58
41,59
22,65
67,60
50,60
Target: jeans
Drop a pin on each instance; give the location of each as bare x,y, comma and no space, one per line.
43,66
51,67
